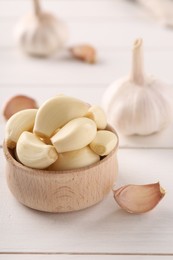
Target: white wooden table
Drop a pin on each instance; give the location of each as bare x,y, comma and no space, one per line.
103,231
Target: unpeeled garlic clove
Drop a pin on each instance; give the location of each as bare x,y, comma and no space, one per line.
84,52
18,123
33,153
75,159
75,135
56,112
104,142
139,198
18,103
97,114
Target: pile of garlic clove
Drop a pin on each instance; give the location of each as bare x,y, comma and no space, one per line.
64,133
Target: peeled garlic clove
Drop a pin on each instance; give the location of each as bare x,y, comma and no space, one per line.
84,52
56,112
75,135
75,159
139,198
40,33
33,153
18,103
18,123
104,142
97,114
138,104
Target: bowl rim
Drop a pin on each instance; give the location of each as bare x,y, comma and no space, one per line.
9,157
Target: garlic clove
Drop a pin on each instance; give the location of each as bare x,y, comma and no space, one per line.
75,159
33,153
84,52
138,104
56,112
139,198
40,34
18,103
104,142
75,135
97,114
18,123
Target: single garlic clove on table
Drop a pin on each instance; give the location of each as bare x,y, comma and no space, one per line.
56,112
75,135
33,153
138,104
104,142
75,159
18,103
97,114
18,123
40,33
139,198
84,52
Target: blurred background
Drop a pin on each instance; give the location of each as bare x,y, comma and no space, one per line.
111,26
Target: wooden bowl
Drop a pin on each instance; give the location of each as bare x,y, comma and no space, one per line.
60,191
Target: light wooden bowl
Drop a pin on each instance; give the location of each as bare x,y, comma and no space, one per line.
61,191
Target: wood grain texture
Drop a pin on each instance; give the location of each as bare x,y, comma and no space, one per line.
82,257
61,191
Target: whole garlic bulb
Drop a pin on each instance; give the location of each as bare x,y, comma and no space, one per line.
138,104
40,33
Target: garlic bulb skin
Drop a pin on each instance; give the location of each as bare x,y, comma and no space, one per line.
138,104
40,34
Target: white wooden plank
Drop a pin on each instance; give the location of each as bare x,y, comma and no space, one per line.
161,139
19,69
79,9
103,228
103,32
81,257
